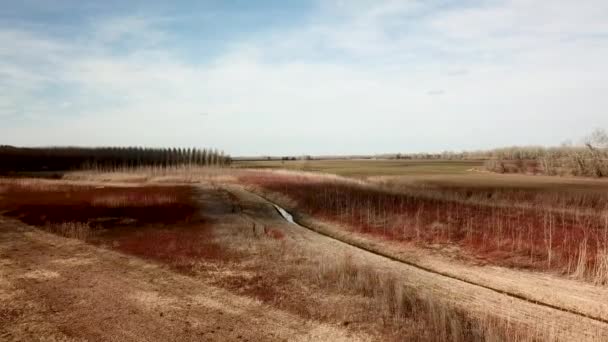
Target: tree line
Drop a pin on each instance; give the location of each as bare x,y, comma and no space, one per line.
105,158
590,158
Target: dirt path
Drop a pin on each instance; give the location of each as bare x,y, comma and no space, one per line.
479,300
58,289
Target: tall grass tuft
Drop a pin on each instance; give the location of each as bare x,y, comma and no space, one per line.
73,230
438,319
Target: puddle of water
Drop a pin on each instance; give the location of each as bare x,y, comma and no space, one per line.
287,216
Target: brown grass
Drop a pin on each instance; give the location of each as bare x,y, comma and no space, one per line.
182,174
274,233
131,200
399,305
544,237
161,223
180,248
46,203
339,291
73,230
557,196
269,267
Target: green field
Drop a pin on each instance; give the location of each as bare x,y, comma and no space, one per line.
368,167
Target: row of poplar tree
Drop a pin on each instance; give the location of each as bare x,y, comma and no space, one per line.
106,158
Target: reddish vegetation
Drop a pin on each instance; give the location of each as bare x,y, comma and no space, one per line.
58,204
516,236
170,228
266,285
274,233
564,197
181,248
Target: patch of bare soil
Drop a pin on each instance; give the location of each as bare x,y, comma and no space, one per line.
58,289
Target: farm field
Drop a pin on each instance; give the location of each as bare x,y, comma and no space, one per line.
433,172
362,168
202,253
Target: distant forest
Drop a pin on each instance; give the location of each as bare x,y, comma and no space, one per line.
16,159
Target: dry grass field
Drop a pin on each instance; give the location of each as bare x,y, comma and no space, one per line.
562,231
362,168
383,252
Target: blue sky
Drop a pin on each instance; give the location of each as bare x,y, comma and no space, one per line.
302,77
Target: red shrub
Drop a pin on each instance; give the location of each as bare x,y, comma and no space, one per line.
180,247
107,206
274,233
517,236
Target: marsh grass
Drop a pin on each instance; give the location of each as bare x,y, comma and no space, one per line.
317,286
133,200
437,319
73,230
156,174
565,233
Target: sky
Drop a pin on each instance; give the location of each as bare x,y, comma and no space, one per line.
303,77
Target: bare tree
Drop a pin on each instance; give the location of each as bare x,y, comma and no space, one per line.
597,143
598,139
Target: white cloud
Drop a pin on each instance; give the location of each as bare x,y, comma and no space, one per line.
357,79
138,30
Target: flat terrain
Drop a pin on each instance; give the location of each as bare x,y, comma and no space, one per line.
202,256
449,279
367,167
431,172
57,289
